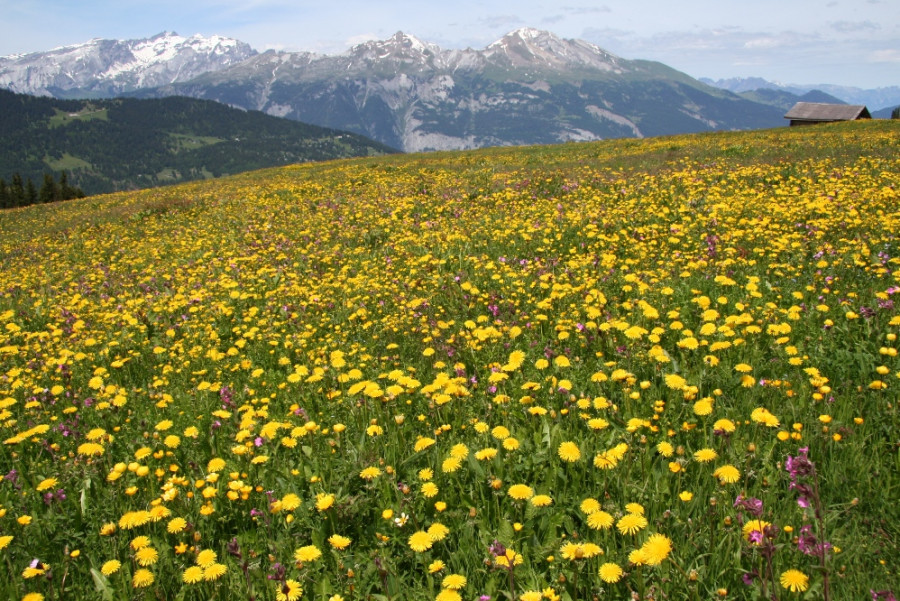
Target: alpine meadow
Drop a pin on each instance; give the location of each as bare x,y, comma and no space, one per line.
629,369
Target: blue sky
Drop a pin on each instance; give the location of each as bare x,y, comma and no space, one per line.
840,42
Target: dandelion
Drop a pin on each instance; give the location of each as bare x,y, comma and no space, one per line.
46,484
176,525
370,473
590,505
110,567
290,502
611,572
146,556
454,581
289,591
422,444
438,531
569,452
665,449
339,542
656,549
451,464
142,578
600,520
324,501
214,571
192,575
541,500
795,581
631,523
420,541
307,554
435,566
705,455
727,474
448,595
635,508
520,492
33,597
206,557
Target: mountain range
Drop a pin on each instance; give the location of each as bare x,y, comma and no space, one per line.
875,99
529,87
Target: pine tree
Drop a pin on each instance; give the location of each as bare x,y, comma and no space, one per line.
17,191
5,201
895,114
49,190
31,194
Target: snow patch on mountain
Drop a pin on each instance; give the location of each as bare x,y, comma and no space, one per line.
108,67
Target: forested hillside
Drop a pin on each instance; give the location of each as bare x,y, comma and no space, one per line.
120,144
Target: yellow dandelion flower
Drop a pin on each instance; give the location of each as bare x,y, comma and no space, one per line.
307,554
176,525
192,575
600,520
438,531
420,541
656,549
590,505
214,571
795,581
324,501
705,455
569,451
541,500
45,484
630,523
611,572
339,542
370,473
146,556
423,443
291,590
206,557
110,567
727,474
454,581
142,578
520,492
635,508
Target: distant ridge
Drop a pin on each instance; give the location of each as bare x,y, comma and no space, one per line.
120,144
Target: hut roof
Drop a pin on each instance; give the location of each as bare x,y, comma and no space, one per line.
820,111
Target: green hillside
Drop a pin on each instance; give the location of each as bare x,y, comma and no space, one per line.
660,369
121,144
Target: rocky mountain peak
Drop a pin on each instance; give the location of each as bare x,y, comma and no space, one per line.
529,47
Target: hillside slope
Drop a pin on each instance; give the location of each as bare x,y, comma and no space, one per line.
119,144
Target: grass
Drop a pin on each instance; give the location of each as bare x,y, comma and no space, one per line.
89,113
556,372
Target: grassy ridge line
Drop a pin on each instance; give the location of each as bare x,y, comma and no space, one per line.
650,156
533,345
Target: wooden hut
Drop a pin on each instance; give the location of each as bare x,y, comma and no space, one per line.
807,113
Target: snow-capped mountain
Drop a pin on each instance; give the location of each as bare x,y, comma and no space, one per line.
529,87
109,67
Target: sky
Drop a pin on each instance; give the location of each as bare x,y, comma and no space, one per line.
840,42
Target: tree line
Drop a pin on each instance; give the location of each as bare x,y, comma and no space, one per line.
23,192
